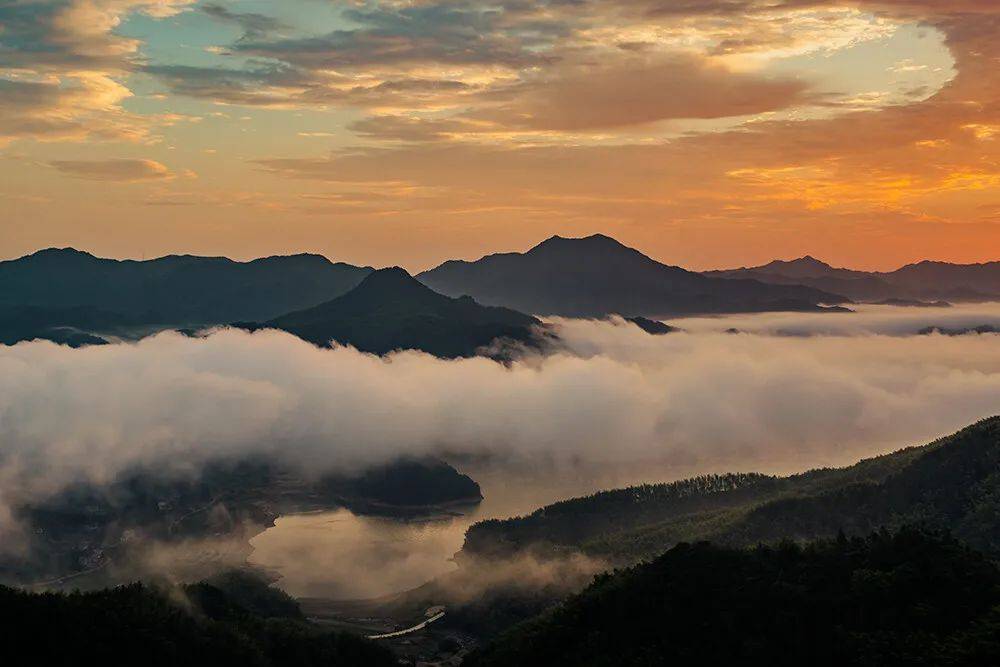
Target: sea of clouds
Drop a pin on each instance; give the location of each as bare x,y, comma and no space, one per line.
792,391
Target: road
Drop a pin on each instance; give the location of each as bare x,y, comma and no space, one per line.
418,626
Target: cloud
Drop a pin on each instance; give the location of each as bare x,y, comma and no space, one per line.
591,116
409,128
636,91
546,66
60,35
700,401
124,170
62,66
254,25
463,33
83,105
287,86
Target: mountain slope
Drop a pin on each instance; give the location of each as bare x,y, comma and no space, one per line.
954,281
68,326
953,484
929,281
596,276
390,310
222,622
810,271
907,598
178,289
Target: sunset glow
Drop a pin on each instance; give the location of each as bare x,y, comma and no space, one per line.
708,134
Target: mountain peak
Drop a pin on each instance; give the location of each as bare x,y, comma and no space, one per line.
390,280
803,267
809,260
592,242
60,253
804,262
390,273
301,259
391,310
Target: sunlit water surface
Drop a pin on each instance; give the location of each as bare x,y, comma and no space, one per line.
341,555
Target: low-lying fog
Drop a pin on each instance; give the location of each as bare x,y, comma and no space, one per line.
612,405
867,319
340,555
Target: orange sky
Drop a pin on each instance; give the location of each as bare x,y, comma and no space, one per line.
707,133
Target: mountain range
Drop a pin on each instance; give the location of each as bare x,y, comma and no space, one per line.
75,298
597,276
923,281
174,290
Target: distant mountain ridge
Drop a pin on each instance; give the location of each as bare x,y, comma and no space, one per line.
597,276
75,298
67,326
391,310
924,281
176,289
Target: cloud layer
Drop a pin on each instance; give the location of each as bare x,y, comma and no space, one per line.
615,395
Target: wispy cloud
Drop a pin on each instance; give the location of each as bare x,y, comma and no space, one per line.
123,170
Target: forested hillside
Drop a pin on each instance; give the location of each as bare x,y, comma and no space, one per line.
234,620
904,598
953,483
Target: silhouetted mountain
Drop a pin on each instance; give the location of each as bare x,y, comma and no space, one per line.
808,267
654,327
924,281
408,482
67,326
966,282
225,621
597,276
951,484
810,271
177,289
888,599
390,310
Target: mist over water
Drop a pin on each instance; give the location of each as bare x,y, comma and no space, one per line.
610,406
341,555
344,556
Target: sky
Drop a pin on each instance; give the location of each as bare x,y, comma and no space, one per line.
706,133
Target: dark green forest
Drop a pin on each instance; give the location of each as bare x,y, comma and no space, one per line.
952,483
235,619
902,598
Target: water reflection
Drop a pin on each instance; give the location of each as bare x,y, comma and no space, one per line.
341,555
344,556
